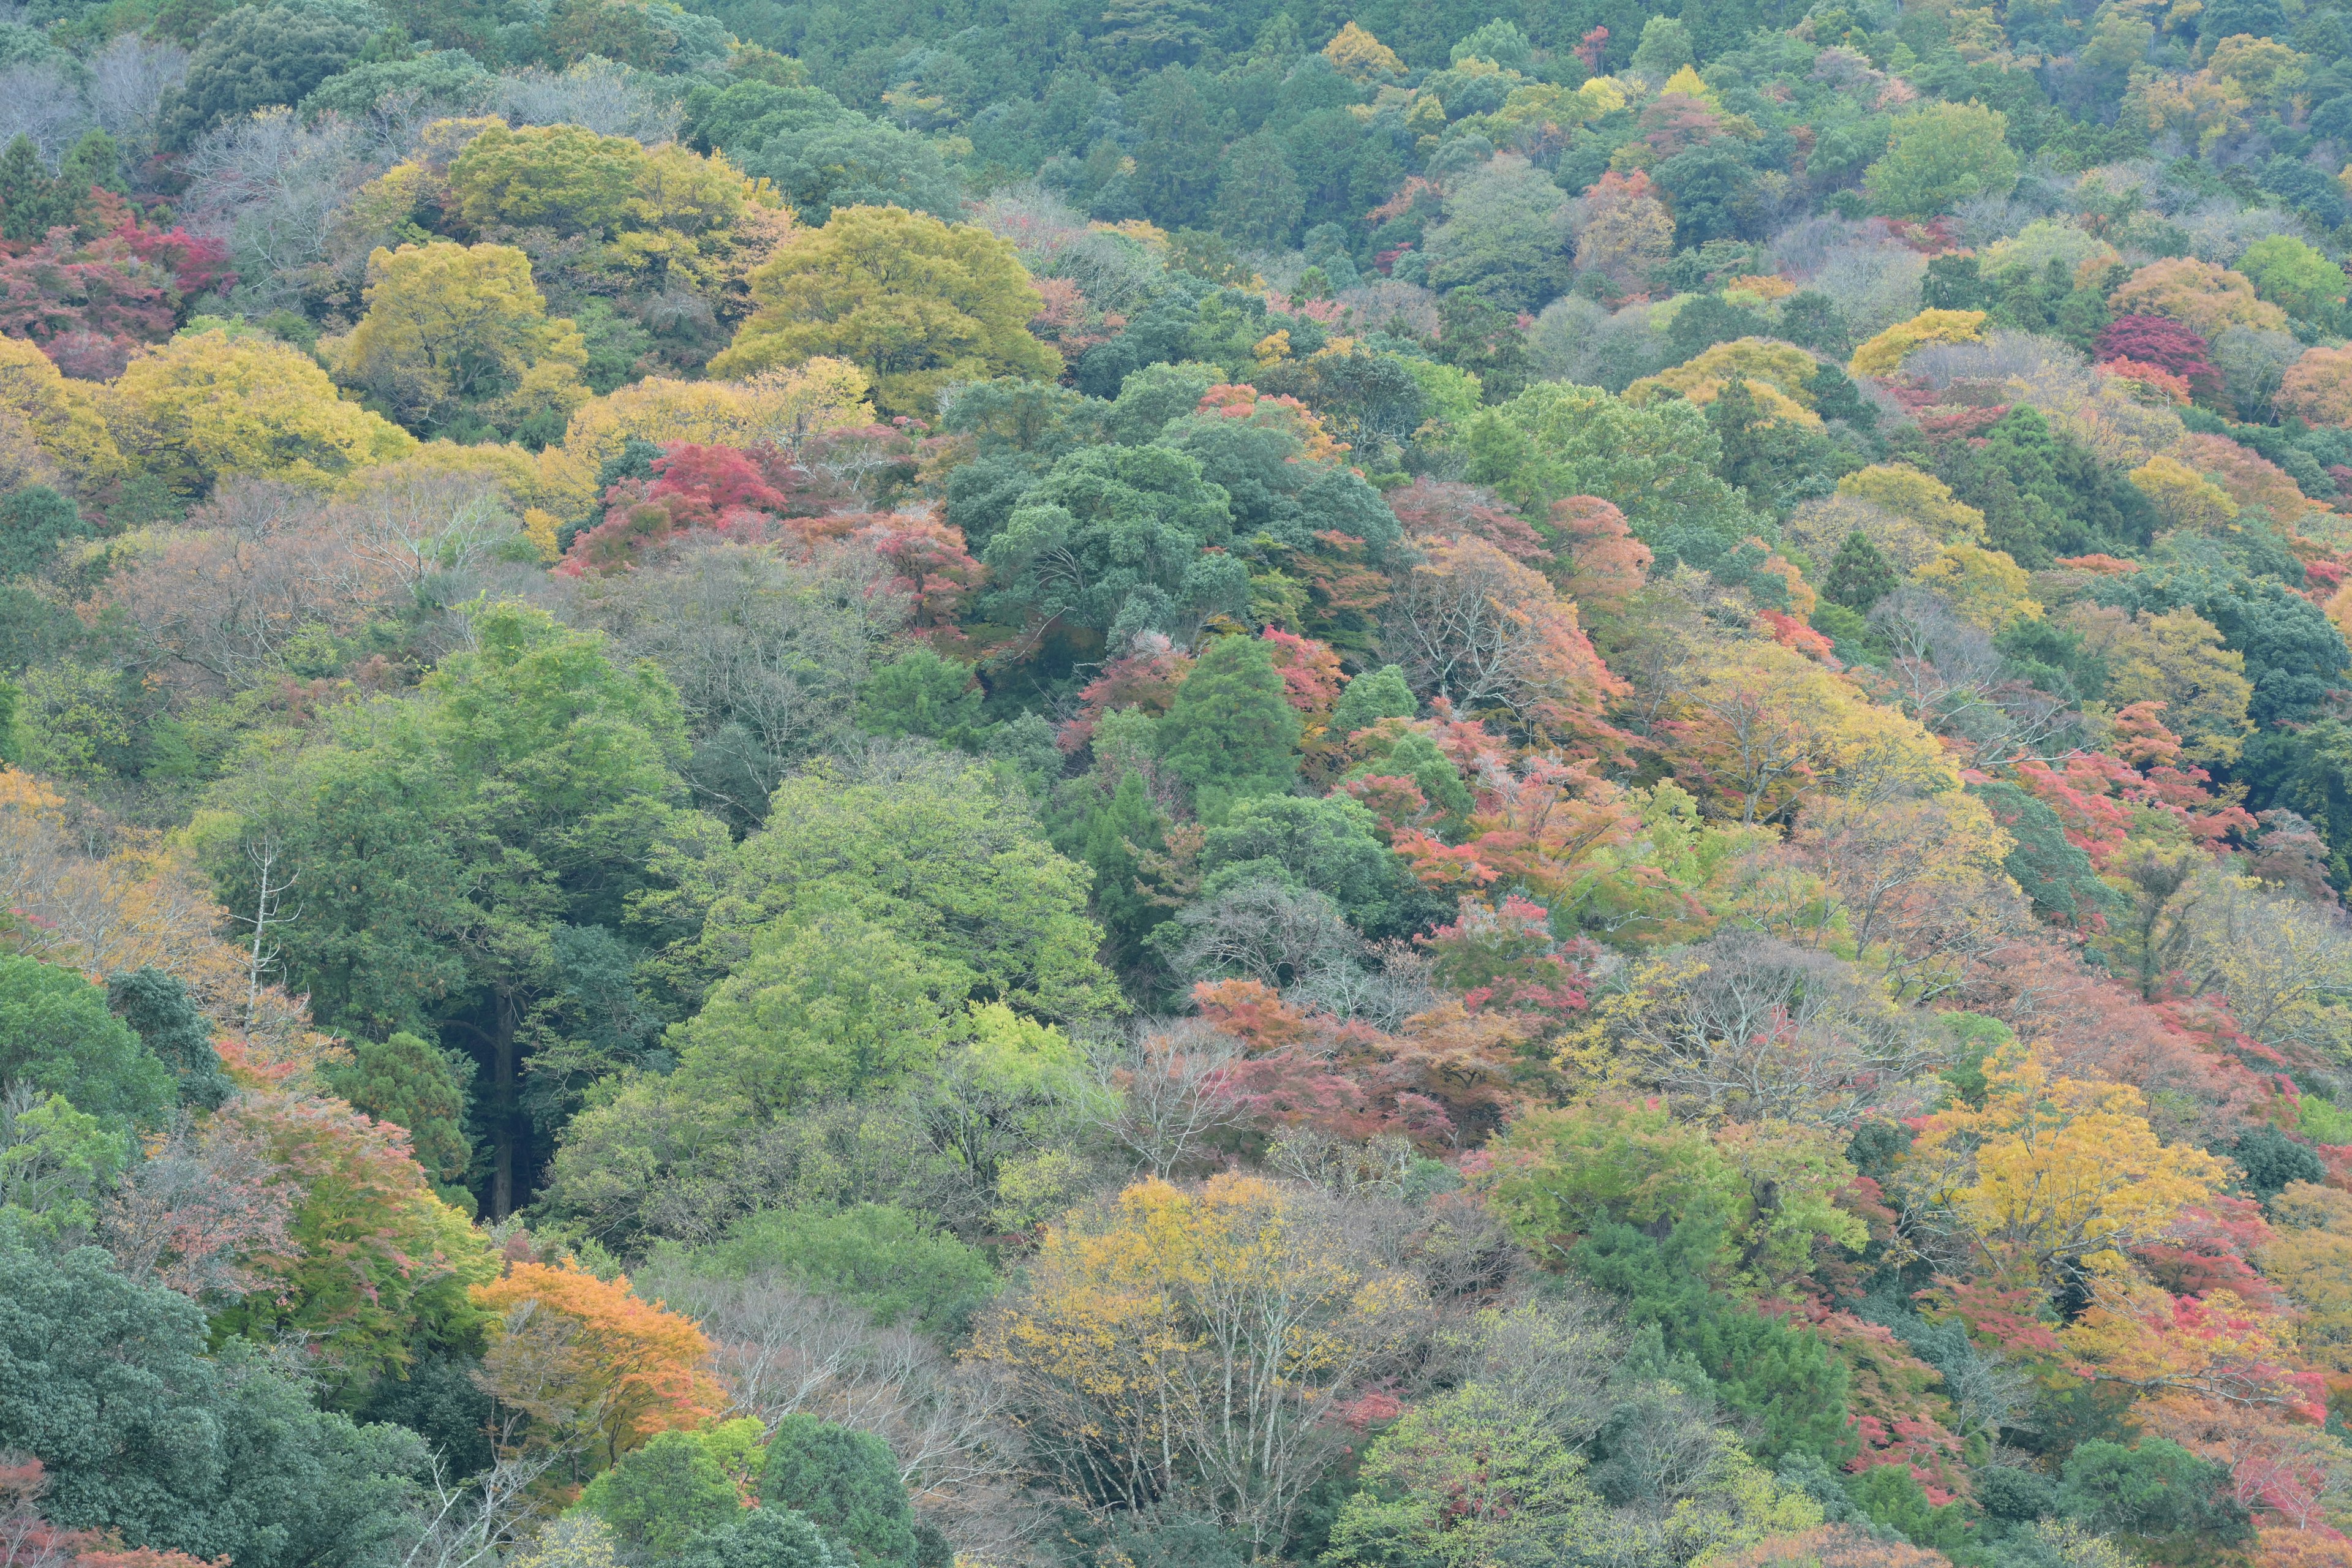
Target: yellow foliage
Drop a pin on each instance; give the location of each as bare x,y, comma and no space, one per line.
1922,496
1783,370
2176,658
782,406
2181,496
513,469
1687,81
209,404
2197,294
63,416
1884,355
2055,1176
1360,55
2309,1256
1985,586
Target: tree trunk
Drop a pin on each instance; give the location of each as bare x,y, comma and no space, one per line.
506,1131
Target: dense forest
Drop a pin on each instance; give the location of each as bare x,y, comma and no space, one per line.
1035,783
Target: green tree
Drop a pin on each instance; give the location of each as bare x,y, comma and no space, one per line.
1329,844
260,55
2292,276
2155,1490
846,1483
916,302
1939,155
1505,235
1665,47
108,1385
446,837
879,1256
56,1036
770,1536
829,1004
1259,202
921,693
1859,575
1371,695
156,1006
1118,833
405,1080
943,857
33,521
660,1497
1111,539
1231,734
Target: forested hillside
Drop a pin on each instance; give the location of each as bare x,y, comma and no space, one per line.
1026,783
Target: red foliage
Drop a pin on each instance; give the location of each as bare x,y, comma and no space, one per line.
2095,793
1311,672
124,285
1431,508
1589,50
2165,343
1508,958
29,1540
930,564
2006,1320
2207,1250
1606,566
1146,676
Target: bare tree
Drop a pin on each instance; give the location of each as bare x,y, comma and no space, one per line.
608,98
478,1521
271,184
1165,1080
1948,675
128,80
264,852
1265,932
40,102
191,1216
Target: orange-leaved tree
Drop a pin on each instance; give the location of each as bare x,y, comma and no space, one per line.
580,1363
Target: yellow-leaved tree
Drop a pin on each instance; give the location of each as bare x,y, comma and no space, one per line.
1202,1341
212,404
915,303
2055,1176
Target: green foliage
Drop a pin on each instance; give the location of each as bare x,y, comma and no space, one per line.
847,1484
157,1008
405,1080
878,1256
771,1536
258,55
32,522
56,1163
108,1385
1941,154
1231,734
1330,845
2156,1493
1371,697
1859,575
56,1036
1890,1495
920,693
660,1497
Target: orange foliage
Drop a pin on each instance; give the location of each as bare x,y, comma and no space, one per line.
635,1368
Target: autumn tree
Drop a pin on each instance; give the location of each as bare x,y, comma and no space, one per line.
1202,1339
587,1366
1472,626
450,327
916,302
1625,233
2055,1176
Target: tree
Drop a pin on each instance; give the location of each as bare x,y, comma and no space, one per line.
1111,539
96,1371
1371,697
445,839
2055,1176
375,1263
1488,635
2180,351
33,521
762,1538
57,1035
2200,296
2292,276
879,1257
258,55
1357,53
156,1006
1940,155
1626,233
2318,387
1654,463
450,328
2176,659
1205,1339
1231,734
920,693
405,1080
590,1366
1259,202
662,1496
916,302
828,1005
1859,575
1505,235
1884,355
209,404
847,1484
940,858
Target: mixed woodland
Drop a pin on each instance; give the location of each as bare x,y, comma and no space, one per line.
1031,784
